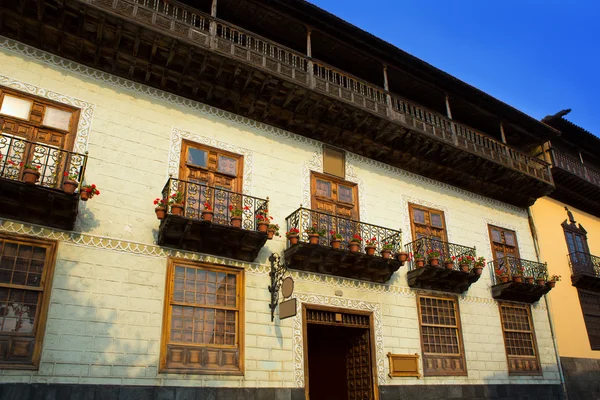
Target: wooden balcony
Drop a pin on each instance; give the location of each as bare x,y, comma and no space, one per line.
519,291
43,202
585,271
219,237
324,259
577,184
452,280
176,48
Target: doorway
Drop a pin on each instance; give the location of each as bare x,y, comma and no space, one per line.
339,355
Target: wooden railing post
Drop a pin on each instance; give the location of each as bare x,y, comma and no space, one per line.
310,65
388,97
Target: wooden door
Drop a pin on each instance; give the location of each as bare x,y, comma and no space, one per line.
427,222
213,175
504,244
358,366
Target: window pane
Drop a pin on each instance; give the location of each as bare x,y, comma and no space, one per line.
227,165
509,237
345,194
579,242
16,107
18,309
496,237
56,118
436,220
323,188
197,157
418,216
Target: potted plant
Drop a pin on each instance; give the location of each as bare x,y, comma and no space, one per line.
273,230
161,207
177,203
336,239
386,250
518,275
419,260
449,262
478,265
314,233
31,173
263,220
70,183
434,257
88,191
540,281
552,281
529,280
236,215
370,246
504,277
292,235
402,257
465,262
207,212
355,242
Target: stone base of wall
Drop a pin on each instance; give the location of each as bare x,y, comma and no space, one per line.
582,377
20,391
472,392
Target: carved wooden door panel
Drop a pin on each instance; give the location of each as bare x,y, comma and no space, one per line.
504,244
209,167
358,367
427,222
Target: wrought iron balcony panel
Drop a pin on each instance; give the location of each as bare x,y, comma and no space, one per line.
439,277
585,271
323,258
43,202
189,231
523,292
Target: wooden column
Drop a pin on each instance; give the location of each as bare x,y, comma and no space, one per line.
388,96
448,111
452,127
213,9
502,135
311,73
308,42
212,28
385,79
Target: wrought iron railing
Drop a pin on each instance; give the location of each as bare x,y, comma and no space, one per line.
512,266
576,167
584,263
303,219
447,250
222,202
53,163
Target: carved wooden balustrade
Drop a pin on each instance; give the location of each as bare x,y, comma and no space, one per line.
576,167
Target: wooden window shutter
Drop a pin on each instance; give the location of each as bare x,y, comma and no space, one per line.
334,162
590,306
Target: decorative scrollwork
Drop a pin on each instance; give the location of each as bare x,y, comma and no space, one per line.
447,250
512,266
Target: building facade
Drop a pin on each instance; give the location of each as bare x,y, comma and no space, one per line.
156,100
567,224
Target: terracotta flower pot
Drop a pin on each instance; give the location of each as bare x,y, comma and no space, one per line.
504,278
335,244
270,234
370,250
449,265
236,222
263,226
353,247
434,261
160,212
293,240
464,267
69,186
31,176
402,256
477,270
207,215
551,284
517,278
385,253
420,263
529,280
177,209
313,238
84,196
541,282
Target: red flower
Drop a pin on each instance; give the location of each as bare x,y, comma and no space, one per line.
93,186
246,208
230,207
97,192
156,201
66,174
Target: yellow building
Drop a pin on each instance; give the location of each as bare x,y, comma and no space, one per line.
567,224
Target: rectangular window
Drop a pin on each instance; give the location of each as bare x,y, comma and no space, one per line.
334,196
519,339
26,270
203,319
441,337
590,306
427,222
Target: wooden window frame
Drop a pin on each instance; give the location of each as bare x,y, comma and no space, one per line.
513,372
594,345
70,133
45,287
516,246
458,328
166,325
186,144
313,191
413,206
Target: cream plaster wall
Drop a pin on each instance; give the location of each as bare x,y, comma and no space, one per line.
106,304
548,216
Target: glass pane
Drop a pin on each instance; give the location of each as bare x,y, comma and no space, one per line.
16,107
17,310
418,216
57,118
496,237
227,165
323,188
570,242
345,194
436,220
580,245
509,237
197,157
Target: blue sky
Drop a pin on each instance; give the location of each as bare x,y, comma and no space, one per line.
540,56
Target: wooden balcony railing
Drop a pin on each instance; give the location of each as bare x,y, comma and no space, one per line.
446,250
518,267
576,167
52,163
238,43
